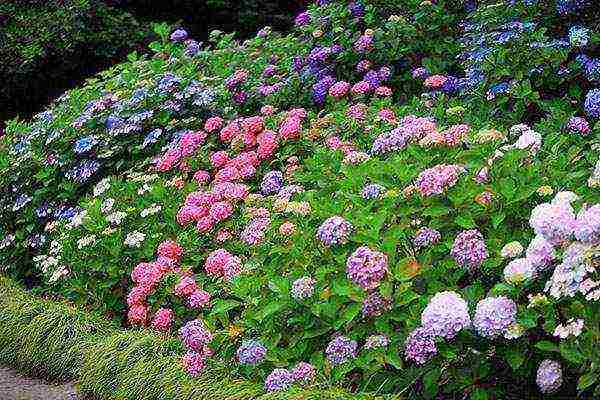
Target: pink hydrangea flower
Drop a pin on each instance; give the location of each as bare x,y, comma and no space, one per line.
170,249
138,315
213,123
163,319
186,286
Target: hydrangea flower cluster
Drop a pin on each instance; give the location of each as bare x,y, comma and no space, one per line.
425,237
251,352
341,350
549,376
420,346
446,315
195,335
469,249
366,267
334,231
494,315
221,263
519,270
438,179
303,288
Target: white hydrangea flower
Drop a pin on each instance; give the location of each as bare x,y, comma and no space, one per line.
101,187
134,239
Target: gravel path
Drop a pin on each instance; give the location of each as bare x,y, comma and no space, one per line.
16,387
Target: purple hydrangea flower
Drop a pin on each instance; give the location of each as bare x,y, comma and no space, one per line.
372,191
549,376
540,253
251,352
271,183
341,350
592,103
554,221
279,379
302,19
366,267
303,288
334,231
395,140
375,305
425,237
420,346
304,372
578,125
469,249
446,314
493,315
357,9
195,335
588,225
179,35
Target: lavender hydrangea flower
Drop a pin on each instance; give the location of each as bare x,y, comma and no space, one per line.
179,35
387,142
425,237
366,267
494,315
578,125
271,183
588,225
279,379
251,352
446,314
195,335
420,346
334,231
304,372
341,350
540,253
592,103
303,288
549,376
554,221
469,249
372,191
519,270
568,276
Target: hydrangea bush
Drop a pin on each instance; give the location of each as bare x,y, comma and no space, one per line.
334,206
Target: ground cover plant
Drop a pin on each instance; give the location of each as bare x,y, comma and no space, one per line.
398,198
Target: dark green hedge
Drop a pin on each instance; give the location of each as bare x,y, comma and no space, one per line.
46,44
59,342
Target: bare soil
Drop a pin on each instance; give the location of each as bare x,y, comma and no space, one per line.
16,387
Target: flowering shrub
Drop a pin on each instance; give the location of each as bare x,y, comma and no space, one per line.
301,227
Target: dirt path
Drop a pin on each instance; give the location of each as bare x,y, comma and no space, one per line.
16,387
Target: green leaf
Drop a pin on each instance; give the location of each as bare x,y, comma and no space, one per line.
571,353
222,306
479,394
514,356
587,380
546,345
465,221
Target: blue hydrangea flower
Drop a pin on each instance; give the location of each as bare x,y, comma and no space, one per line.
84,144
